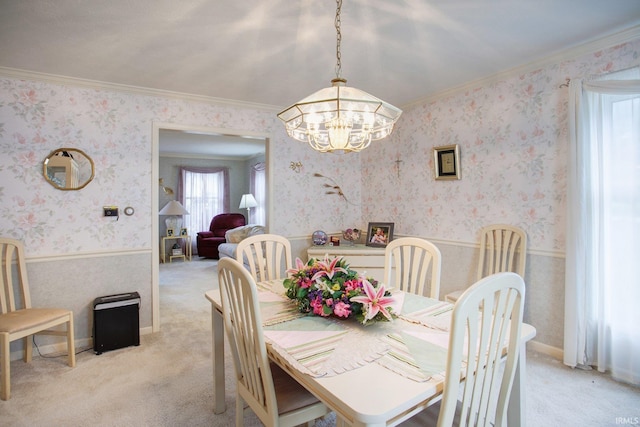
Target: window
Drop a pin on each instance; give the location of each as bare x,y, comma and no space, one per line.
603,226
205,194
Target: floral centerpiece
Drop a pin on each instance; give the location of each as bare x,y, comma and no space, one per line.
330,288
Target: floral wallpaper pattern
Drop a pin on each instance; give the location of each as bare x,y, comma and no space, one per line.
115,130
512,136
513,141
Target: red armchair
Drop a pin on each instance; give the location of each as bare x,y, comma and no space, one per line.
208,241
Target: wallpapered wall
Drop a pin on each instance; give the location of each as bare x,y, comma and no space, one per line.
512,135
114,128
513,142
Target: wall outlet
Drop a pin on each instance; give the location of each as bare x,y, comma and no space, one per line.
110,210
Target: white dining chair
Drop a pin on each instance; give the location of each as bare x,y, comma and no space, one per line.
267,256
410,264
502,248
485,333
19,320
274,396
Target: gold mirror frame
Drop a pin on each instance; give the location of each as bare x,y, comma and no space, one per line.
68,169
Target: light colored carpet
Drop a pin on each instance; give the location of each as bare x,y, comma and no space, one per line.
167,380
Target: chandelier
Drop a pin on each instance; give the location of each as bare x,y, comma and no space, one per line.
339,118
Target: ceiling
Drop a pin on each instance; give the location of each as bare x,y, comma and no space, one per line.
180,143
275,52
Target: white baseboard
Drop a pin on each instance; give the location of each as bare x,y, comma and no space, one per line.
554,352
52,350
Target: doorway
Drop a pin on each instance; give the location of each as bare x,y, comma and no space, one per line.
224,140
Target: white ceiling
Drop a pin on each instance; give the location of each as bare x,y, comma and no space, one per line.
275,52
178,143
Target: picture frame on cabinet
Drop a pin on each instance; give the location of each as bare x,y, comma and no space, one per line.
447,162
184,232
379,234
170,232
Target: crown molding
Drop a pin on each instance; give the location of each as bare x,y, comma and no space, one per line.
99,85
593,45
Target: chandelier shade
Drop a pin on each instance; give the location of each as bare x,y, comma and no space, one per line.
339,118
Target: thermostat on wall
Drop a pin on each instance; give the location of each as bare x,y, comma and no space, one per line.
110,210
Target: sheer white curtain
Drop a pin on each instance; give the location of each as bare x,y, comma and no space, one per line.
259,190
204,193
602,290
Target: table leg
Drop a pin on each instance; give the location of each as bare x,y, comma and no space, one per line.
217,352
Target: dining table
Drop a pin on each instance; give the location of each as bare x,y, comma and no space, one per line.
377,374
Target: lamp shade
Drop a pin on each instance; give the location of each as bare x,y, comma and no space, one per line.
248,201
173,208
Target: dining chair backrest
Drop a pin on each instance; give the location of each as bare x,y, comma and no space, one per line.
267,256
410,264
244,330
485,330
255,382
502,248
18,319
13,252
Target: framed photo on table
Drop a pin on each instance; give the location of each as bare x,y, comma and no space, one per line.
447,162
184,232
379,234
170,232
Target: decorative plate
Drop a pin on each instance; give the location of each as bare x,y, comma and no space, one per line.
319,237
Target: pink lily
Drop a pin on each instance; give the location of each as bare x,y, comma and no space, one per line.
299,266
374,301
328,268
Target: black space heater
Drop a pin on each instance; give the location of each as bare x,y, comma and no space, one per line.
116,322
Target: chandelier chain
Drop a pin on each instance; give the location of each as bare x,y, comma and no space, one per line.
338,39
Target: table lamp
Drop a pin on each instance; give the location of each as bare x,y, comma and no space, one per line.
247,202
175,211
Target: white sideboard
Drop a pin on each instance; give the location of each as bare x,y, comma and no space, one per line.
364,259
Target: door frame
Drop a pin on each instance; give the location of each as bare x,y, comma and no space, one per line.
155,161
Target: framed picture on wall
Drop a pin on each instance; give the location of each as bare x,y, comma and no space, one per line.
379,234
447,162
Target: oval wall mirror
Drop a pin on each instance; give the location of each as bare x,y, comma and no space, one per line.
68,169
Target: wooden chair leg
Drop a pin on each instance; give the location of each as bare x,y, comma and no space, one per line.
71,346
239,411
28,348
5,361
